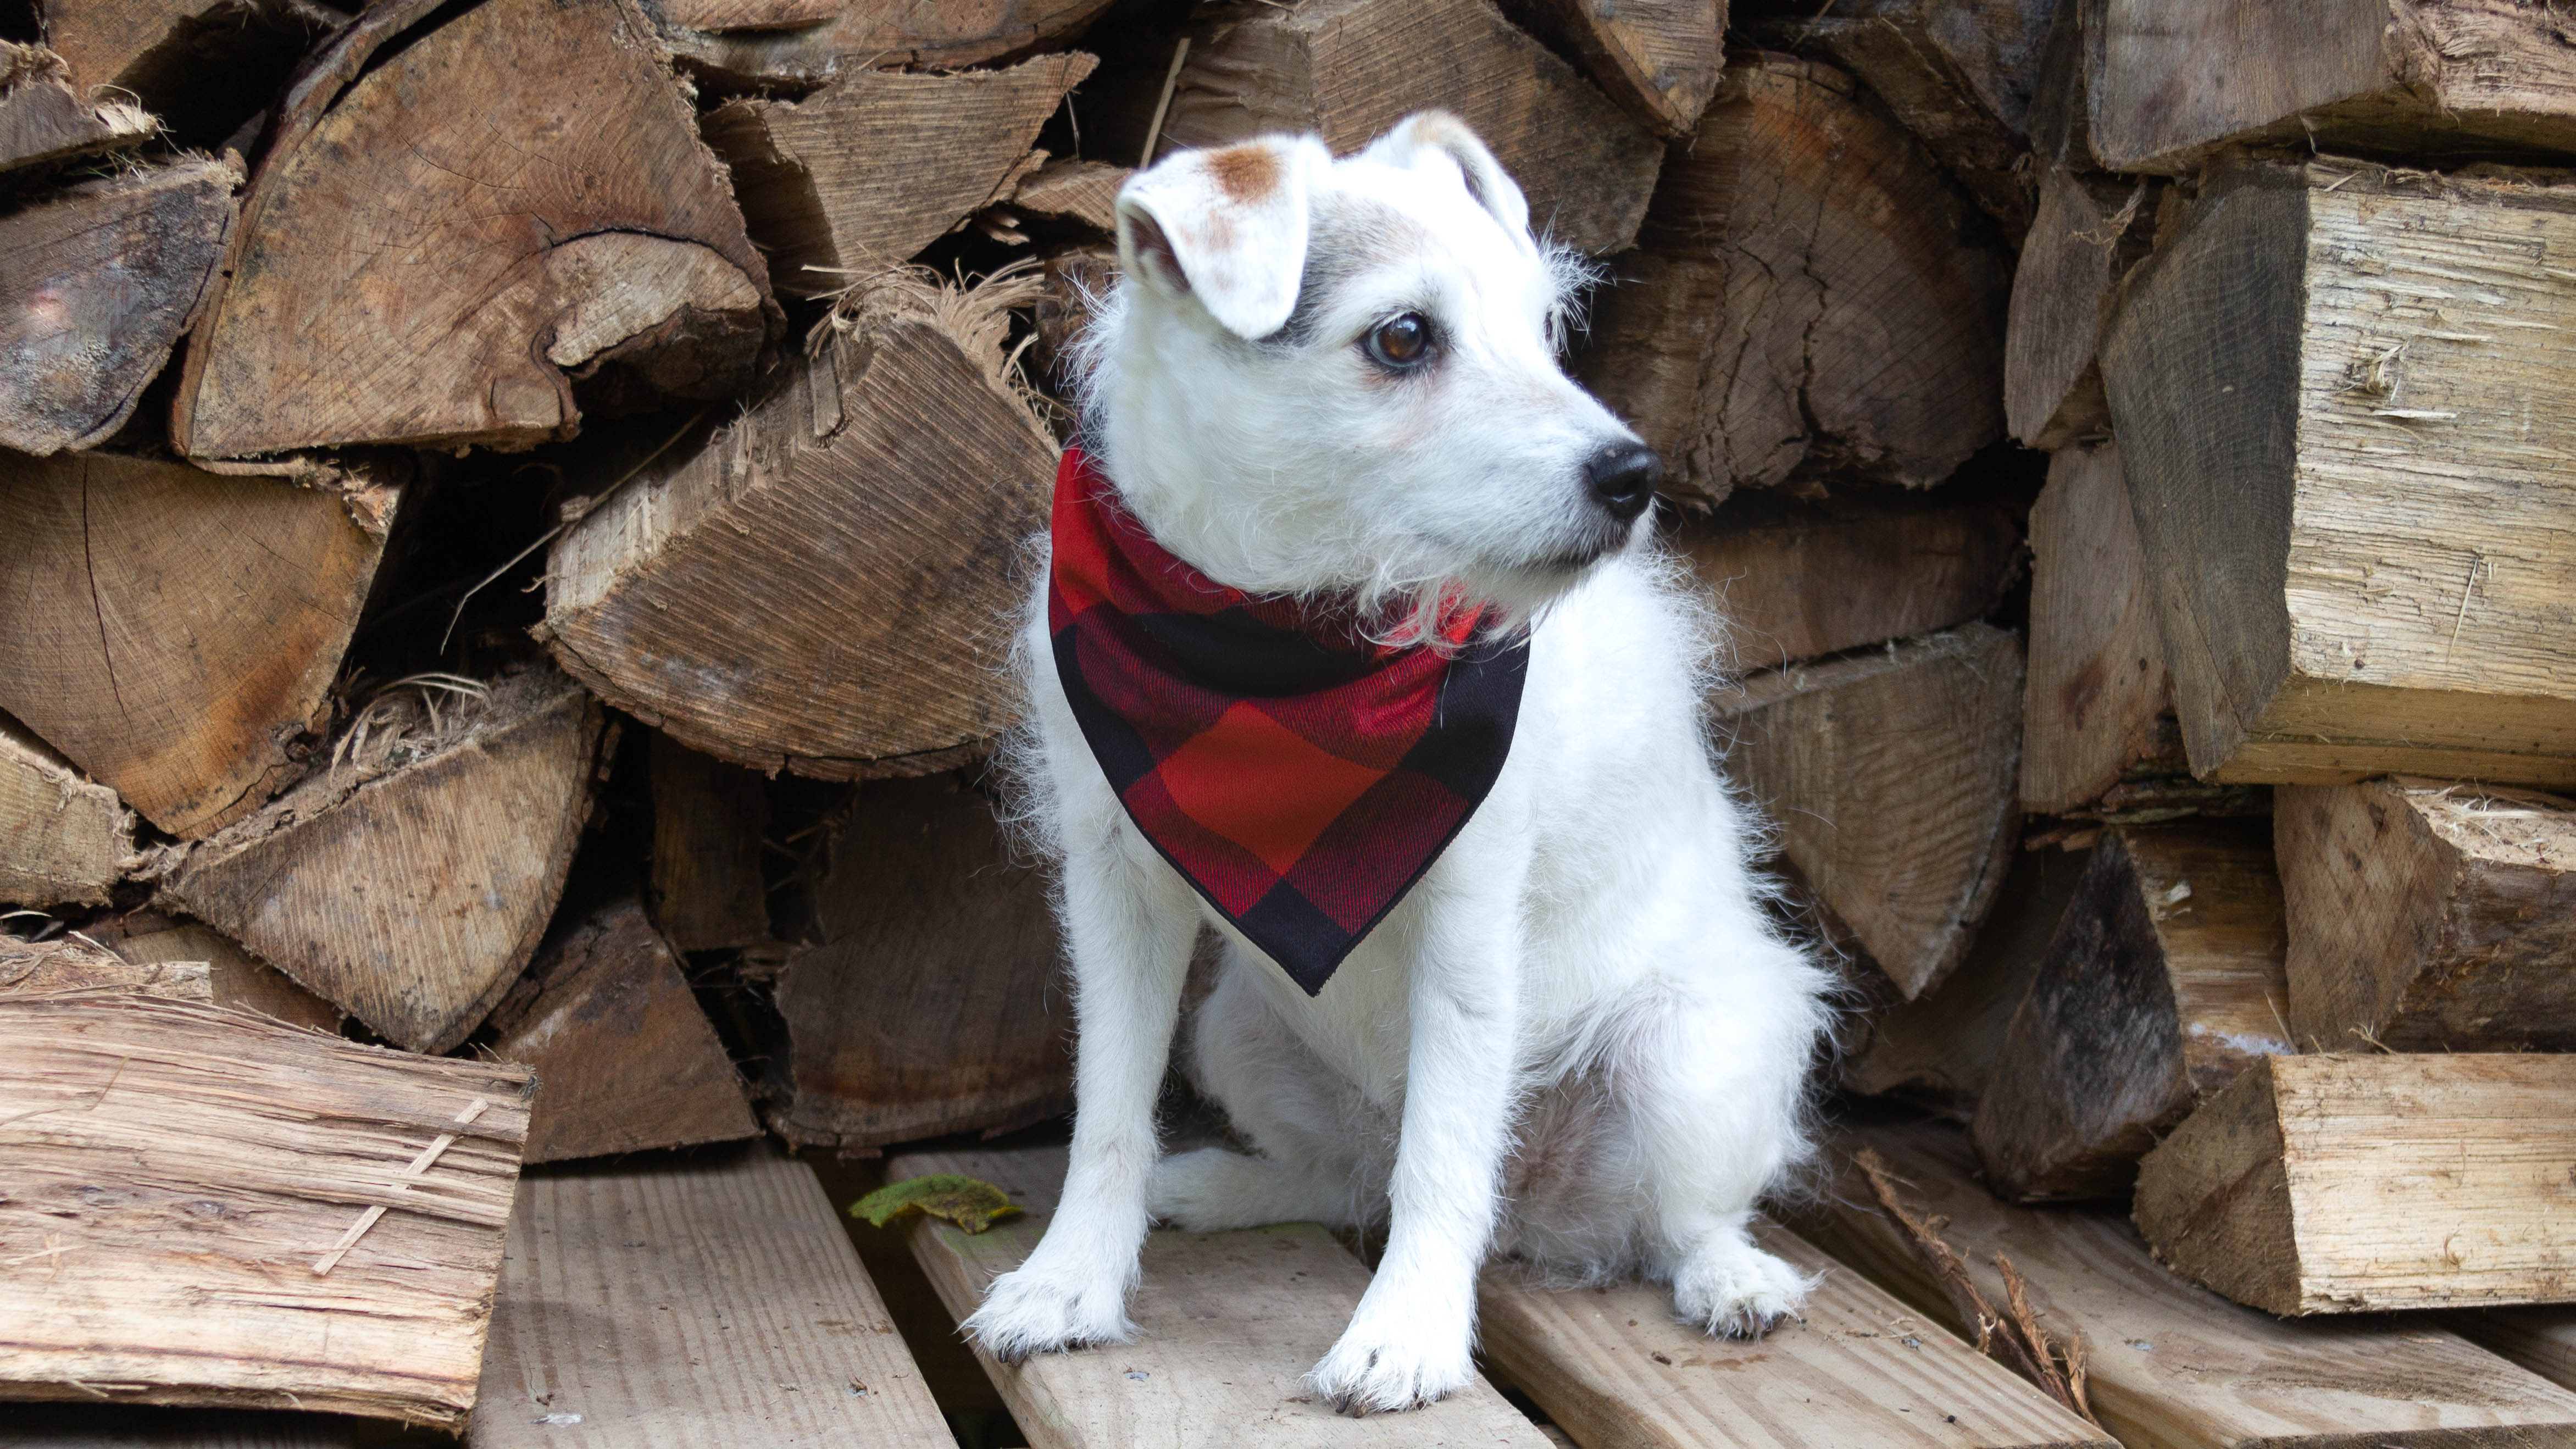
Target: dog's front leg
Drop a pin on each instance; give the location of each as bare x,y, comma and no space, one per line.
1412,1339
1129,926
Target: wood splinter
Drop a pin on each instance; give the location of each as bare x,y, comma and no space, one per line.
402,1181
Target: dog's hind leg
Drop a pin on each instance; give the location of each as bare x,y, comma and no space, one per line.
1129,923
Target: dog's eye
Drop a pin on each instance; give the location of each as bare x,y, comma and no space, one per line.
1401,341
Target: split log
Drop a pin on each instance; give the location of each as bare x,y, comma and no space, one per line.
2427,916
860,523
1657,58
1078,191
1889,776
560,220
625,1060
769,44
1960,76
201,67
1813,295
2087,233
2360,1184
234,977
2162,984
410,879
929,1005
2168,1364
1782,572
63,839
164,1157
1349,69
76,962
1941,1049
44,119
2361,561
2100,703
100,285
174,631
2167,84
877,165
708,816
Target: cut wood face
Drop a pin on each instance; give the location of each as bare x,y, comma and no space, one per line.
2088,233
2100,700
202,67
63,839
108,567
1348,70
265,1144
234,977
761,45
44,118
410,885
513,200
1657,58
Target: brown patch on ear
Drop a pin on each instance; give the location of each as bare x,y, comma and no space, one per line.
1244,173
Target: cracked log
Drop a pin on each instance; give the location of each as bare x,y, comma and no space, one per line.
434,252
45,119
862,523
2100,704
875,166
755,44
63,839
201,67
927,1006
1657,58
96,288
410,878
1349,69
115,655
2162,983
1811,295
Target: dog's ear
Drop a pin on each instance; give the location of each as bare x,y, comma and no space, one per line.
1438,137
1226,226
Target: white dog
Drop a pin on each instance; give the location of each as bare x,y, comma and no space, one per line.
1577,1038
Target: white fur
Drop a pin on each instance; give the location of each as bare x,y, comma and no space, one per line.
1579,1038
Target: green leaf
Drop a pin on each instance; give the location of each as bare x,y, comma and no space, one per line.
968,1202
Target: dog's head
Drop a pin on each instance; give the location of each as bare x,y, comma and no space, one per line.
1323,375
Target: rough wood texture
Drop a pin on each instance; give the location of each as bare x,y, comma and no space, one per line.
877,165
1082,191
2357,1184
1782,573
2170,1364
1890,778
2429,916
1854,1370
930,1004
2542,1340
781,43
200,66
711,1303
2360,557
2167,83
558,217
860,526
2100,702
76,962
2088,232
1227,1325
2162,984
624,1058
708,818
45,119
174,1172
1658,59
63,839
175,631
410,879
234,977
1942,1048
1814,296
1349,69
99,285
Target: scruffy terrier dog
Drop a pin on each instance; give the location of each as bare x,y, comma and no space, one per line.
1351,648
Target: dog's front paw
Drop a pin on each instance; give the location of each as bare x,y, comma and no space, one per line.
1399,1366
1733,1289
1031,1311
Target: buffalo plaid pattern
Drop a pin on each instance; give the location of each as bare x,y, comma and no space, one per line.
1298,776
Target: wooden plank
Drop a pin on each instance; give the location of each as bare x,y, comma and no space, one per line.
2359,1184
2428,915
706,1302
1227,1325
2173,1365
1856,1370
176,1171
2542,1340
2100,700
2361,562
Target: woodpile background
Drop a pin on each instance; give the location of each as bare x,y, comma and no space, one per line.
509,517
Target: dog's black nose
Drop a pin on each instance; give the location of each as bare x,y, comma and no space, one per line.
1623,477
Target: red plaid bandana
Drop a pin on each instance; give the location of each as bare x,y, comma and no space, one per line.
1298,776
